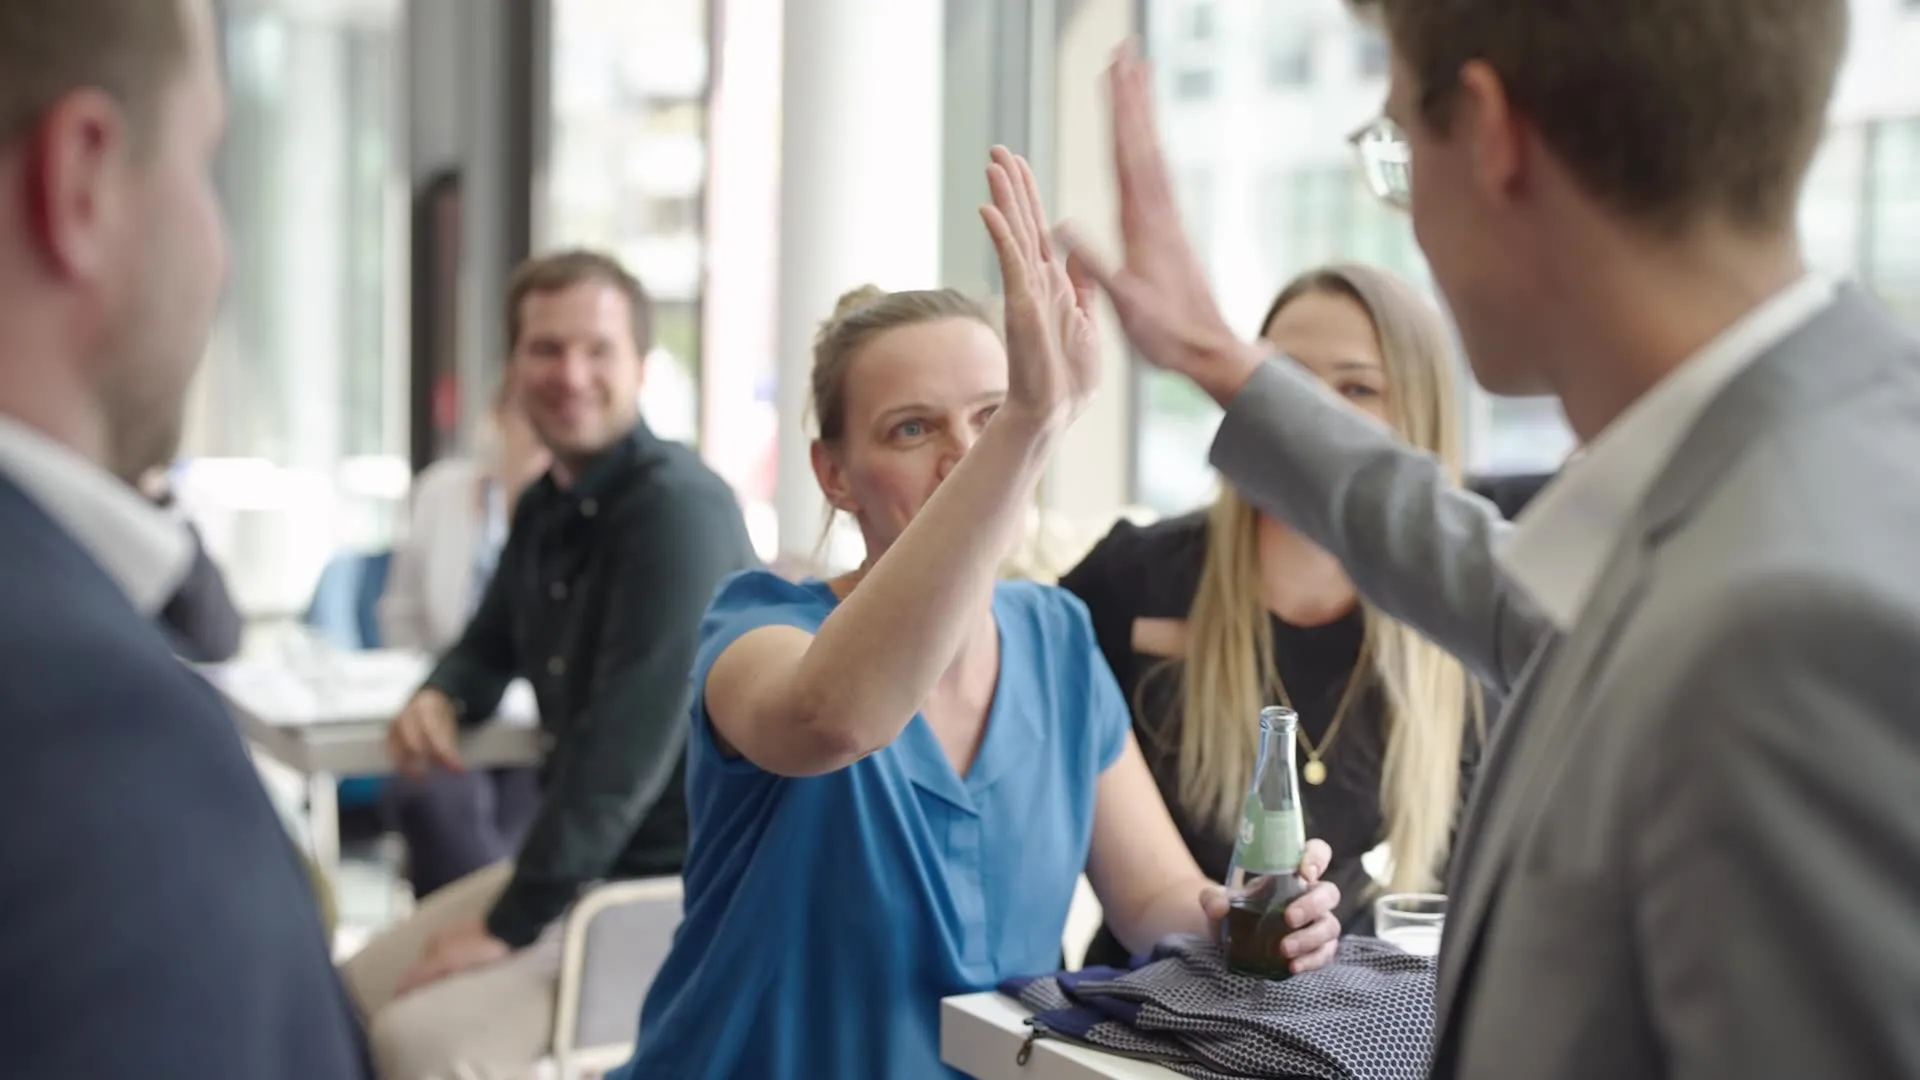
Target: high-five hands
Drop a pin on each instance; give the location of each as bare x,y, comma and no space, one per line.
1160,290
1053,361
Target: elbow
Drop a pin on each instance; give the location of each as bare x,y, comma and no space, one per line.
823,742
816,736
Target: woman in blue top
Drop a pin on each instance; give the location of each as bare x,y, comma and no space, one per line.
896,776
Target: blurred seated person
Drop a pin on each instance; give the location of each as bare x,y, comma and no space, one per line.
596,601
200,617
896,776
457,822
1207,618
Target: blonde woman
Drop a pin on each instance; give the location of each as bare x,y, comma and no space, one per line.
1208,617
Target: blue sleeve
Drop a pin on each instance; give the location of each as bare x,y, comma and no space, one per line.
745,602
1109,720
1107,707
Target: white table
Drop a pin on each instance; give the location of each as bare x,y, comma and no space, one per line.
326,716
982,1034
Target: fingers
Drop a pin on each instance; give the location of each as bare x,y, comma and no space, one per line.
1318,958
1214,902
1138,163
1037,212
1013,266
1317,936
1313,905
1006,184
1314,862
1086,287
443,747
1083,266
409,743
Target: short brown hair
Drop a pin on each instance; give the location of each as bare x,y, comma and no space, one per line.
130,49
563,270
1667,111
861,315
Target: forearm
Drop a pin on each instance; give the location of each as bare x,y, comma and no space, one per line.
473,680
1173,909
877,656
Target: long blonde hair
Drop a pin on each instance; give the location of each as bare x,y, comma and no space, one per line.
1228,671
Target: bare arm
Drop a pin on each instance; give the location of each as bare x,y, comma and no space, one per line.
1149,886
800,705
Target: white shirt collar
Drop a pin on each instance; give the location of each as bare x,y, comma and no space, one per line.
1561,542
145,550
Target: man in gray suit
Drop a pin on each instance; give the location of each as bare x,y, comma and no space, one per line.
1692,849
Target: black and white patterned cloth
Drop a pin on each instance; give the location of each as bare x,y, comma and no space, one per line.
1367,1016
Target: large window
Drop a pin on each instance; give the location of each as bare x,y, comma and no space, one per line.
1893,216
297,439
1254,113
627,169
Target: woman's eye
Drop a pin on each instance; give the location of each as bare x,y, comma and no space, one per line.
1360,392
986,414
910,429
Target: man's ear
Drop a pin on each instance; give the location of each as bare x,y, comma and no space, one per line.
77,158
1484,116
832,477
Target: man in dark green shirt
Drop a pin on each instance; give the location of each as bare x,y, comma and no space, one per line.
596,602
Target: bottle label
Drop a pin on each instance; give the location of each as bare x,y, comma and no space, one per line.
1270,841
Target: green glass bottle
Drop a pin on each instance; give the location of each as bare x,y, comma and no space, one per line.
1264,876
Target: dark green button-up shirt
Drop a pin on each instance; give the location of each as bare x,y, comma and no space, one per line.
597,602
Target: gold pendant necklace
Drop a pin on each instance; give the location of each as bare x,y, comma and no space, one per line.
1314,771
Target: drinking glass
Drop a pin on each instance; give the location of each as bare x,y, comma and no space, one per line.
1412,921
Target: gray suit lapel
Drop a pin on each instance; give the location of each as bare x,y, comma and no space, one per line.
1471,850
1541,725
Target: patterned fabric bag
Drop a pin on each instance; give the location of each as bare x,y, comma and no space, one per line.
1367,1016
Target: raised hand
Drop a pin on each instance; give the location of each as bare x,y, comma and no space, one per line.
1160,291
1053,362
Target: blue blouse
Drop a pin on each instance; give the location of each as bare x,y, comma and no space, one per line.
827,916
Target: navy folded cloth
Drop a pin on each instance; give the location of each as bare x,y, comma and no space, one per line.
1367,1016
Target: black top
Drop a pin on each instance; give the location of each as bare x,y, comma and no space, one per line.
158,921
597,602
1153,572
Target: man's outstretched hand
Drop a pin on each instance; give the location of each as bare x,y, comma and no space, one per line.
1160,290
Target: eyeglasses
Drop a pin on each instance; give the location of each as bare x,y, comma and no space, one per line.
1386,161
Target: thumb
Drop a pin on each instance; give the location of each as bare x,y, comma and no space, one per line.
1087,271
1213,901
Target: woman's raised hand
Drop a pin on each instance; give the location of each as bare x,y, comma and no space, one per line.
1053,361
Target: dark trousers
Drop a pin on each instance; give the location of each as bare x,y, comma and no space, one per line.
457,822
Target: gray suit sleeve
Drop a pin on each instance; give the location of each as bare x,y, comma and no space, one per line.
1416,545
1772,841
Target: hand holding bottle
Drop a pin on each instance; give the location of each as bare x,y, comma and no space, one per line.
1313,933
